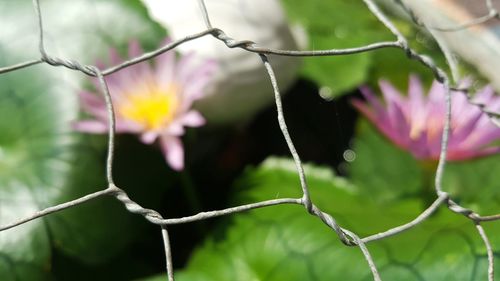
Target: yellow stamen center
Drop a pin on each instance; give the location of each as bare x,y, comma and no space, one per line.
152,109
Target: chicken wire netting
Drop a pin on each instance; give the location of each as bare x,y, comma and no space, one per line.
349,238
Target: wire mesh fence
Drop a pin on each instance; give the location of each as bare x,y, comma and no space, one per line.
349,238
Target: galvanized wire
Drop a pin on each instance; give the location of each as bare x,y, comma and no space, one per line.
346,236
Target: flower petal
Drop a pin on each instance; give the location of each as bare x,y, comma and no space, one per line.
365,109
175,128
185,67
415,91
142,69
391,95
134,49
471,154
149,137
482,135
370,97
165,67
199,79
114,57
193,119
400,131
93,104
416,101
436,93
173,152
417,123
484,96
90,126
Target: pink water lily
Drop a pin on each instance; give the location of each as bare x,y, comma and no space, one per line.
415,122
153,101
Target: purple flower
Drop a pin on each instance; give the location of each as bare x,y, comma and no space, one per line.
152,101
415,122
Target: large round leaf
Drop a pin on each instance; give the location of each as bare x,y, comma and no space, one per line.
286,243
42,161
338,24
329,25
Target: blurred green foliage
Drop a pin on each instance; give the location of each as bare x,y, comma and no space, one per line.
341,24
42,161
286,243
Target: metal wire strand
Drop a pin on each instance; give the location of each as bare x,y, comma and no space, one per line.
345,235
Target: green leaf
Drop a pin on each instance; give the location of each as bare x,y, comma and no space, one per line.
381,168
330,25
286,243
393,65
474,183
42,161
339,24
87,229
32,166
